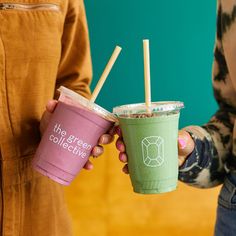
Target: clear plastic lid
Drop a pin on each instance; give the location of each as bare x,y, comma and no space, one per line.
72,98
156,109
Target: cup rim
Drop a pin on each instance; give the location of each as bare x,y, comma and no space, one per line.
88,104
161,107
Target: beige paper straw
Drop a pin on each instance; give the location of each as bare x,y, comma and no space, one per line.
146,55
105,73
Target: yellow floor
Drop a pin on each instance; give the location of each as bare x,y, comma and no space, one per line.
102,203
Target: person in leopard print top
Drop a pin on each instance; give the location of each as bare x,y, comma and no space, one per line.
207,154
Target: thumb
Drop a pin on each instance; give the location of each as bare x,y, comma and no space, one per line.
185,146
51,105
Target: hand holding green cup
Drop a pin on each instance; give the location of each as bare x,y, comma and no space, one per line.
150,132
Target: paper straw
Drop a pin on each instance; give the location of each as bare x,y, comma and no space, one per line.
147,73
105,73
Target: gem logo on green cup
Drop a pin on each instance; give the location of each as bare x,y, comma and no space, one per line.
150,138
153,151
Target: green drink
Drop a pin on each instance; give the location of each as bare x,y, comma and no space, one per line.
151,144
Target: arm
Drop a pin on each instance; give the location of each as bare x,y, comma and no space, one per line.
208,163
75,69
213,154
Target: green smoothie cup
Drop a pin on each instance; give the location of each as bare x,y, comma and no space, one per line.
150,138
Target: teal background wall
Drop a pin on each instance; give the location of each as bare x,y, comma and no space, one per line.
181,35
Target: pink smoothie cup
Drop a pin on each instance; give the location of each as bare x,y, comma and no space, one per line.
74,129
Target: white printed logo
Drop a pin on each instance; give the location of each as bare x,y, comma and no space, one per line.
69,142
153,151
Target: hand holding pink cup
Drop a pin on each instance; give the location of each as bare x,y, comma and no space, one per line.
74,129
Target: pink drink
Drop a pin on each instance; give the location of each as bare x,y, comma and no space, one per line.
73,131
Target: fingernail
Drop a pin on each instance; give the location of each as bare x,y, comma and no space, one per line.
105,138
182,143
98,151
122,157
90,166
120,146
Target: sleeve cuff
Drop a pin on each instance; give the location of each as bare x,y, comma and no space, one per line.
196,161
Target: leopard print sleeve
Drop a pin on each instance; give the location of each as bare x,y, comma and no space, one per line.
215,142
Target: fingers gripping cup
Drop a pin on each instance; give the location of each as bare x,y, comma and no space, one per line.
151,144
74,129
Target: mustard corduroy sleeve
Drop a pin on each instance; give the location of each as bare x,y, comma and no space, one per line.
75,68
